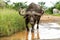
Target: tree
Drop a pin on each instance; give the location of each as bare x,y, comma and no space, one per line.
41,3
57,5
7,3
20,5
2,4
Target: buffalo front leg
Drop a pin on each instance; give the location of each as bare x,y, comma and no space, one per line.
38,32
32,31
38,27
27,31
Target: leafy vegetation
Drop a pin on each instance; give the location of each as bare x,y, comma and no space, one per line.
57,5
49,10
20,5
56,14
10,22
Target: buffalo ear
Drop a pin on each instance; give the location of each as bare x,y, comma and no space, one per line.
22,11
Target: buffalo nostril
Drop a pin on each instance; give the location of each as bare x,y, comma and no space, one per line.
31,21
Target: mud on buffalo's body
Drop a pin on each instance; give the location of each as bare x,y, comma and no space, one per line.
32,15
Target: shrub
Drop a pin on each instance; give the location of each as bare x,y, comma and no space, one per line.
49,10
10,22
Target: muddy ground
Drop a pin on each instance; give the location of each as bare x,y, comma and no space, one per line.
21,35
50,18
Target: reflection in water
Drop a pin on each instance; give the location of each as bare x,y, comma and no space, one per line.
51,25
48,31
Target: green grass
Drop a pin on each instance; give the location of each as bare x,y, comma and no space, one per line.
56,14
10,22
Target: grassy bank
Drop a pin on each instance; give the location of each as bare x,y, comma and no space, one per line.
10,22
57,14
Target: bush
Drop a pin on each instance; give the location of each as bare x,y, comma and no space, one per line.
49,10
10,22
19,5
57,14
57,5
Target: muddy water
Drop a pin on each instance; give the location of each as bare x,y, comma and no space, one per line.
16,36
21,35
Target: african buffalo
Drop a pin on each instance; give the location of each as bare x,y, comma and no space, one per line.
32,15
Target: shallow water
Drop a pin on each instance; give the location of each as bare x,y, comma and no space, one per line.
48,31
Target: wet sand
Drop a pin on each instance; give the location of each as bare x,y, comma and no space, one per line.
50,18
16,36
